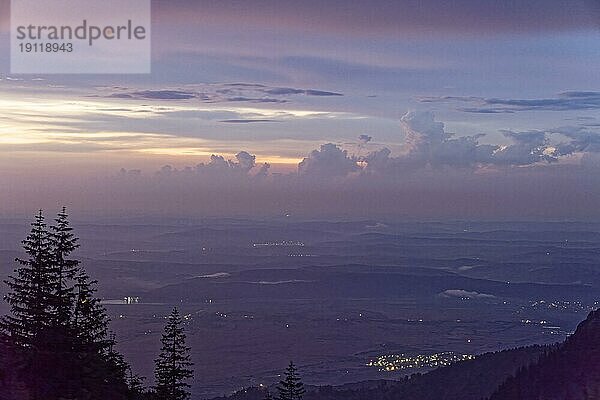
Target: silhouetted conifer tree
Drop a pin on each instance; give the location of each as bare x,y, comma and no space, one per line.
173,365
118,367
291,387
64,243
135,383
58,327
89,319
32,288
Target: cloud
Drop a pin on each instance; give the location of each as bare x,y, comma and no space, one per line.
376,226
308,92
428,145
582,140
246,121
219,168
311,92
130,172
164,95
329,161
435,173
263,171
566,101
217,275
465,294
329,182
254,100
529,147
245,161
221,93
291,281
364,139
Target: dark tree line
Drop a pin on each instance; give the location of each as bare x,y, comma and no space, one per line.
55,343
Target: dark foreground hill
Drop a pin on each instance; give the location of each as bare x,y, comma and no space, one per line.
465,380
570,372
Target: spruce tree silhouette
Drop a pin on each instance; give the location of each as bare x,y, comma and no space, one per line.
89,319
57,328
291,387
32,289
173,365
64,243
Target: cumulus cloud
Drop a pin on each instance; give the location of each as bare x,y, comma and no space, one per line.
263,171
529,147
330,161
433,174
427,146
581,140
219,167
245,161
364,139
428,143
333,182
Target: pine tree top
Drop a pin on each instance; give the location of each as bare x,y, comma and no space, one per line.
173,365
291,387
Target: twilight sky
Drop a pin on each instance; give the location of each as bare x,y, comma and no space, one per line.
459,109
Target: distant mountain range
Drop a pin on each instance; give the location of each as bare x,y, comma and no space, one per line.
567,371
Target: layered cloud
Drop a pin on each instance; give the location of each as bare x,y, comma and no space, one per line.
220,93
167,122
566,101
465,294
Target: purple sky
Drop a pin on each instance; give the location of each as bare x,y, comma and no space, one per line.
466,109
